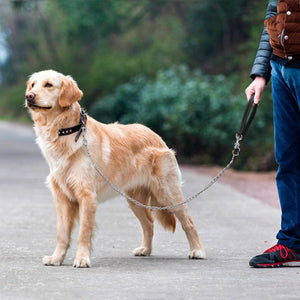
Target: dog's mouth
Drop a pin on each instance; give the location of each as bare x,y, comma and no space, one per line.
35,106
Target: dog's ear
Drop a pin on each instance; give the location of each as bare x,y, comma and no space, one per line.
69,92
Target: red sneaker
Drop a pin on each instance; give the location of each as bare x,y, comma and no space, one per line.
276,256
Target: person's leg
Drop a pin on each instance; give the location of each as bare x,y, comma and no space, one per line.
286,98
287,151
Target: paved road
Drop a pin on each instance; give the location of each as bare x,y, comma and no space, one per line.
232,226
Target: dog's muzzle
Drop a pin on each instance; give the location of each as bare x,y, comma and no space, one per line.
30,99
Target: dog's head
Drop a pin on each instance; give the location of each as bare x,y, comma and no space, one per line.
50,90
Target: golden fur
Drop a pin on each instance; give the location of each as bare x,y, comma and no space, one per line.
134,158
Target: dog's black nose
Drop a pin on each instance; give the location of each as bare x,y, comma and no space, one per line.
30,96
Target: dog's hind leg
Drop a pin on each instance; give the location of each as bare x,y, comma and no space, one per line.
66,213
145,217
196,249
167,190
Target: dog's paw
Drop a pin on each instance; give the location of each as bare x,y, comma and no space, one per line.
141,251
82,262
52,261
197,254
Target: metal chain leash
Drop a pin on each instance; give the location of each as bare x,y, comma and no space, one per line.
235,153
245,124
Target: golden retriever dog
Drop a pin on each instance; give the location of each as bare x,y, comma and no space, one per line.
134,158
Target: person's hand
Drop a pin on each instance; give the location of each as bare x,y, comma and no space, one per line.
256,87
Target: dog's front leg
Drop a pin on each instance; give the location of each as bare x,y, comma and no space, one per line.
87,211
66,213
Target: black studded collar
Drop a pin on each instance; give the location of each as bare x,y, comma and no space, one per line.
77,128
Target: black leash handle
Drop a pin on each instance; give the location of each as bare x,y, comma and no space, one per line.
247,118
245,124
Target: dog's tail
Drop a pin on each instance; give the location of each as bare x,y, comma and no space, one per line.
165,218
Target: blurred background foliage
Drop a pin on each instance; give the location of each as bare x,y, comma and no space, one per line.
179,67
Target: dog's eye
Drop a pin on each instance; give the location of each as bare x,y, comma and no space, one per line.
48,85
32,85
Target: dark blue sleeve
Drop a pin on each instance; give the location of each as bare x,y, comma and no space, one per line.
261,65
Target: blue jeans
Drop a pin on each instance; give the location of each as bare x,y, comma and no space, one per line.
286,99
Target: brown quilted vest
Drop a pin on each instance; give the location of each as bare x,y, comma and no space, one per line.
284,30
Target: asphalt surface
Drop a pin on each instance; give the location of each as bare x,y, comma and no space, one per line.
233,227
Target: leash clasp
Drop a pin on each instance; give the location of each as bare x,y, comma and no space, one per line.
237,145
